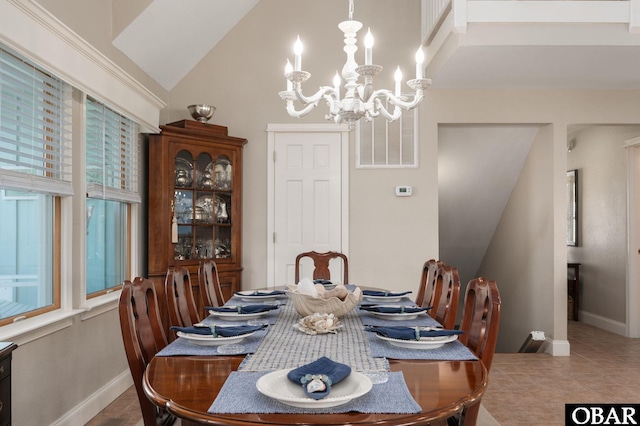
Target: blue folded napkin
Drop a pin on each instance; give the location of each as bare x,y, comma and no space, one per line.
261,293
322,281
317,377
234,330
393,309
243,309
410,333
384,293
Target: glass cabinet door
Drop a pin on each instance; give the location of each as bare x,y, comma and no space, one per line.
203,188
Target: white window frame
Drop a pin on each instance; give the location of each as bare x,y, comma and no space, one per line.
362,163
33,32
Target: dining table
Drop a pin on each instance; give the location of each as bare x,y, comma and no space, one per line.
206,385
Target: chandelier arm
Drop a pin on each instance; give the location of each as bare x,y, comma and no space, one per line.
334,104
380,109
313,99
395,100
299,113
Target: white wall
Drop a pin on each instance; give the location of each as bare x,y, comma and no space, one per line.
390,237
602,236
518,257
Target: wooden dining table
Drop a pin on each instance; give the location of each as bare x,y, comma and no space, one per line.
187,385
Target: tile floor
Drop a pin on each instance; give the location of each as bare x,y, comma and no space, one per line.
524,389
531,389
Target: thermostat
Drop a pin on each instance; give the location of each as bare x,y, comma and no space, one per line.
403,191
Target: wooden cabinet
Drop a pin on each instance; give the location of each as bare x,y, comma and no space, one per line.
6,349
573,290
195,202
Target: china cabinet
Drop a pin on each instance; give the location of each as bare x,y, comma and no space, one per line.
195,202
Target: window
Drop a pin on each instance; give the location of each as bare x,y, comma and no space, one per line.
383,144
35,165
111,182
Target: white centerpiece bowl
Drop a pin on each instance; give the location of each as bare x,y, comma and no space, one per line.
306,305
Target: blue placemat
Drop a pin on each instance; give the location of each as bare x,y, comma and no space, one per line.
239,395
182,346
453,351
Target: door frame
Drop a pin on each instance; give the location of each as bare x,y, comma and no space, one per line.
272,129
633,237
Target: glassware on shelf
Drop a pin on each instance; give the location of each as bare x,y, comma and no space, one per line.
204,209
222,248
204,171
223,173
183,173
183,204
222,210
182,250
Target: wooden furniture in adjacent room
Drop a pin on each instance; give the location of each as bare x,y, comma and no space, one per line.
573,289
195,203
6,349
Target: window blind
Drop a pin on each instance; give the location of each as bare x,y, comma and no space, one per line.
112,154
35,127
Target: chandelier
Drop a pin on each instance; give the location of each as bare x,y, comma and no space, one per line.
360,98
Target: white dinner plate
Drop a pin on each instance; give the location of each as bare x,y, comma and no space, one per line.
423,343
205,340
276,385
387,299
234,316
398,316
249,295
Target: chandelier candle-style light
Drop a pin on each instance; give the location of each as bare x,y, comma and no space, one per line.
360,99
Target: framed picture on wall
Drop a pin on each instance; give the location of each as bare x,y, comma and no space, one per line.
572,208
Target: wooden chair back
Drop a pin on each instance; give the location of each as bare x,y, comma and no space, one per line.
209,282
481,319
143,336
321,265
427,282
446,296
181,304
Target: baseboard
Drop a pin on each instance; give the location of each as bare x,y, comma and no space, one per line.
556,347
97,402
603,323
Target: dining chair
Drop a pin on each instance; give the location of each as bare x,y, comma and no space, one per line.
209,282
427,282
321,265
481,319
181,305
480,323
143,336
446,296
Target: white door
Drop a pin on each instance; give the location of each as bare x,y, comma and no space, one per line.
307,196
